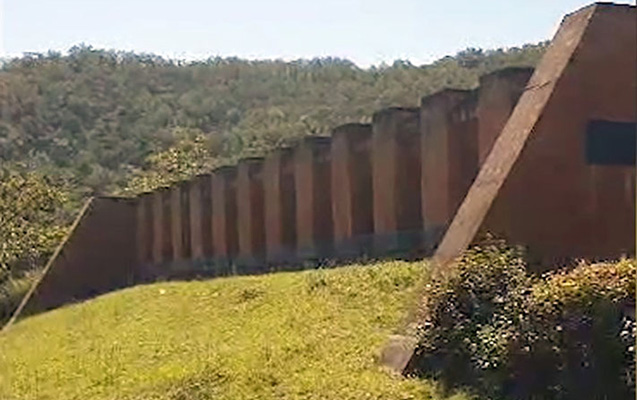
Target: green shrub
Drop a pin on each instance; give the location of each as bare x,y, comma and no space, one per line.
579,335
467,316
569,334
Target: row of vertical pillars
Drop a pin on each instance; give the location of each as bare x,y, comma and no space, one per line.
381,189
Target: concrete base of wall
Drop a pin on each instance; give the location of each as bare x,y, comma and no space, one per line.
315,253
250,265
399,244
431,238
355,248
280,258
398,352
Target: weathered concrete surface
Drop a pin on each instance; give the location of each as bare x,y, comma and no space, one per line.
499,92
195,217
178,222
250,216
280,208
200,206
224,219
535,187
448,154
463,142
352,198
398,352
162,236
158,223
396,181
314,229
179,230
98,255
144,237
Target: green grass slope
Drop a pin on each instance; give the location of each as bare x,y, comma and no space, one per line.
301,335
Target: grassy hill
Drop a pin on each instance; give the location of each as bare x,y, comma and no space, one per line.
302,335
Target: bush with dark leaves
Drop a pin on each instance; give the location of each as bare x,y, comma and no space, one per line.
489,325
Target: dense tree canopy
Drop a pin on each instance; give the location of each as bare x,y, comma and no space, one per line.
100,113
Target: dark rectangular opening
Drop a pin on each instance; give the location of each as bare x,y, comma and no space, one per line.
611,143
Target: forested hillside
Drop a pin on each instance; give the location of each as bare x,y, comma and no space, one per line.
100,113
94,121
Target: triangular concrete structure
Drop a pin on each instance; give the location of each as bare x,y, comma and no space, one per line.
538,186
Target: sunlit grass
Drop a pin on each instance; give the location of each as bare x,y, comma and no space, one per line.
302,335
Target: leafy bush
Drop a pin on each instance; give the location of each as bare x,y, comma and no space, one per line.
466,321
569,334
579,334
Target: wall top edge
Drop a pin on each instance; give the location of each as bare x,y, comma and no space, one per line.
444,93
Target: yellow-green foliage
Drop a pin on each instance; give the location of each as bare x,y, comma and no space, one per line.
583,286
30,225
192,154
303,335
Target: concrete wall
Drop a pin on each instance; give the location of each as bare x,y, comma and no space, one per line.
312,170
352,194
463,141
200,207
498,94
145,219
536,187
180,223
449,157
394,187
396,181
250,215
225,237
553,201
98,255
280,208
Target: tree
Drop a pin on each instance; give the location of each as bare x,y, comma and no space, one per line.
30,221
189,156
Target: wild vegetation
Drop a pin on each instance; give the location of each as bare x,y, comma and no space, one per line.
296,335
100,114
492,326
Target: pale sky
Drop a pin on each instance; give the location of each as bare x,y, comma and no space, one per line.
366,32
